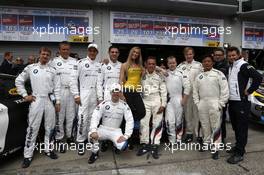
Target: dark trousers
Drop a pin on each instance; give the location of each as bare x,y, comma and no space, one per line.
223,125
239,113
137,107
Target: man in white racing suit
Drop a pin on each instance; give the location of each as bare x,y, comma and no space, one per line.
65,66
210,94
178,87
111,112
155,99
191,68
85,88
45,85
110,73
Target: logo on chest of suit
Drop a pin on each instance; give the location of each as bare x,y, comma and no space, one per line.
107,107
59,64
108,67
87,65
201,77
35,71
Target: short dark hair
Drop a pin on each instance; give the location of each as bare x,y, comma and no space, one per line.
186,49
151,58
7,54
170,58
44,49
208,56
64,43
113,47
219,49
232,48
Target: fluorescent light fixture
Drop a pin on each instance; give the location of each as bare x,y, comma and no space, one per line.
102,1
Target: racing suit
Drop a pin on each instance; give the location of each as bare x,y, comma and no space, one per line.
65,68
112,115
154,96
177,85
190,110
44,81
210,94
85,79
110,75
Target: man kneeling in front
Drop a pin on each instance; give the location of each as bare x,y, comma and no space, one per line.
111,112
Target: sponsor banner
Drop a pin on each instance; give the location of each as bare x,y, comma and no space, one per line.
141,28
45,25
253,35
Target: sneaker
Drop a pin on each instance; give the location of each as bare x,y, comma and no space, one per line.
154,151
188,138
104,146
234,159
93,158
215,155
81,150
26,162
143,150
52,155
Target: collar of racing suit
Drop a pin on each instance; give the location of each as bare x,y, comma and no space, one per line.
42,65
114,104
64,60
90,60
112,63
237,61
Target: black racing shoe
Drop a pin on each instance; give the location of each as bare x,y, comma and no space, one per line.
215,155
231,151
62,147
117,151
26,162
234,159
93,158
188,138
154,151
81,150
130,146
143,150
104,146
70,140
199,140
52,155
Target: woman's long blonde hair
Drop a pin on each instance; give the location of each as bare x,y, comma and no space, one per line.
129,58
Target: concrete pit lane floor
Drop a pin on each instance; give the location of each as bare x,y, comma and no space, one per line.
190,162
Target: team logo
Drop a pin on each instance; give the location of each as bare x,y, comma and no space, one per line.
35,71
108,67
107,107
201,77
86,65
183,68
59,64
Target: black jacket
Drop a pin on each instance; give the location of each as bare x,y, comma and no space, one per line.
6,67
222,66
244,72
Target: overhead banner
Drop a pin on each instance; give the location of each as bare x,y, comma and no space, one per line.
140,28
45,25
253,35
